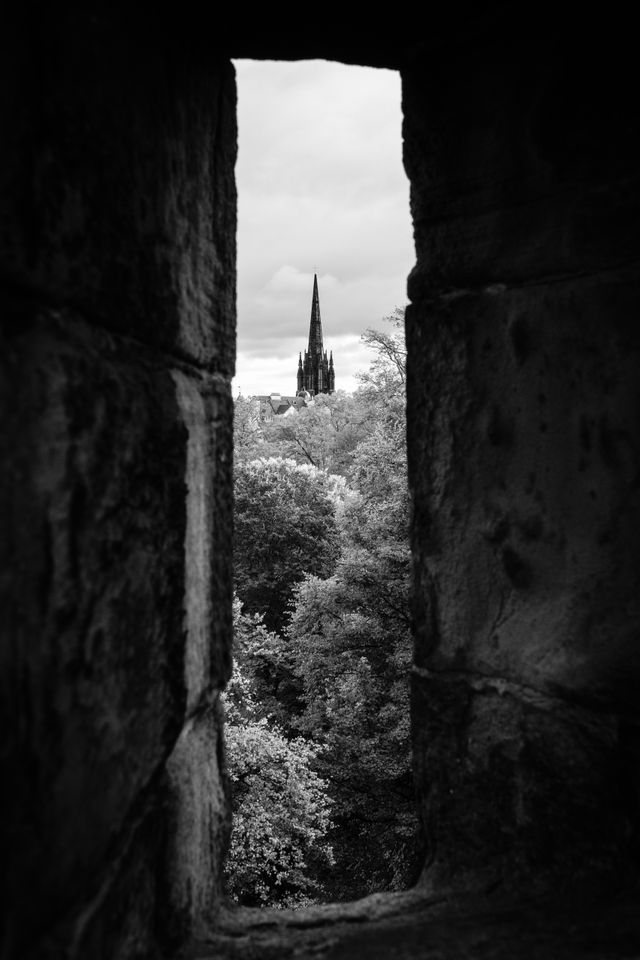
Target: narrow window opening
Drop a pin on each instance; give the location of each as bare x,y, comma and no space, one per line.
317,710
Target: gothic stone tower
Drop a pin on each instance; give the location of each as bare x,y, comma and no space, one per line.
315,372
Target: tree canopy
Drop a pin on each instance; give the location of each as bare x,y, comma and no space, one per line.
324,433
284,527
281,807
323,643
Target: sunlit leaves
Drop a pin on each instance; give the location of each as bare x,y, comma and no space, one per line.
281,806
285,526
319,704
281,815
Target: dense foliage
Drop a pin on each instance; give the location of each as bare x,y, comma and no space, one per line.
285,527
323,647
281,806
323,434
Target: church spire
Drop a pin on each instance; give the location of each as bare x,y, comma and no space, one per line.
315,326
315,372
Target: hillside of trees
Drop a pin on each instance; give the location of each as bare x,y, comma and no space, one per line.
318,741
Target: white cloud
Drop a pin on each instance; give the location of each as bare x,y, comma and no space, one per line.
321,190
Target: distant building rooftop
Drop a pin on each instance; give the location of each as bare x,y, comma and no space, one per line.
278,404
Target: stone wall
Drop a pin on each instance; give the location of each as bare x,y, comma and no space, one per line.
117,205
524,351
117,202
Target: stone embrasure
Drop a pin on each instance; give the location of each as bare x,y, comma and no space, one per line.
118,272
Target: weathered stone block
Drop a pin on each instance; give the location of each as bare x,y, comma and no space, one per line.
524,458
524,474
517,788
198,827
206,409
92,587
521,165
117,188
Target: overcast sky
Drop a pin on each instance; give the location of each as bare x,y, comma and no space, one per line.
321,189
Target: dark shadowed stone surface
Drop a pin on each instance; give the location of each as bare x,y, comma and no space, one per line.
92,583
524,463
524,458
529,512
117,201
523,160
516,787
117,207
527,557
113,197
121,918
452,926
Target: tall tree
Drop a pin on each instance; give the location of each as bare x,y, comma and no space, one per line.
285,527
350,649
336,673
280,805
383,386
